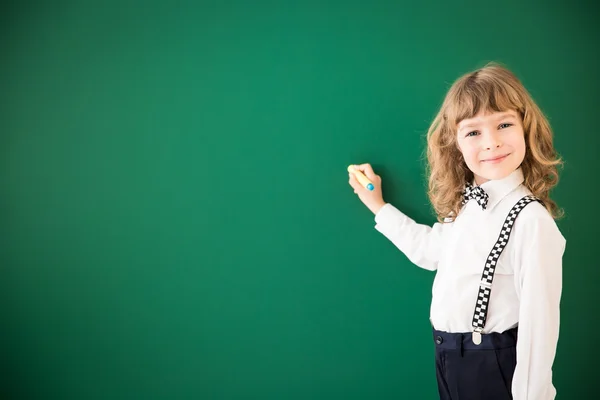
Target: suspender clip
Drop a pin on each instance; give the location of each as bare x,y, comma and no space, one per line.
477,337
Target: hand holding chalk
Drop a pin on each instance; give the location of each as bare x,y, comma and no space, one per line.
367,185
361,178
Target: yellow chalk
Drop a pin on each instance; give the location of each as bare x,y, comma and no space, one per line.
361,178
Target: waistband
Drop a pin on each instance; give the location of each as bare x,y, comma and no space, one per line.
489,341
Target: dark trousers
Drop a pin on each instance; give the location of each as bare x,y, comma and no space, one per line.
466,371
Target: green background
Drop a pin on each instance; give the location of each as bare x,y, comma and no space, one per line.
176,219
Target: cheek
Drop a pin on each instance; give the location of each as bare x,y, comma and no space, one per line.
519,144
469,153
471,159
518,138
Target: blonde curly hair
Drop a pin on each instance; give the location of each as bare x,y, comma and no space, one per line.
492,88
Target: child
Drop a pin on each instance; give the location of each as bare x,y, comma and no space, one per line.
491,160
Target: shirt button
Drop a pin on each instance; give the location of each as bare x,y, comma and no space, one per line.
438,340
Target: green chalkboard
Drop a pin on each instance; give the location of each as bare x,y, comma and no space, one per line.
176,219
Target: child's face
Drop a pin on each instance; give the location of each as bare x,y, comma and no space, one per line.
492,144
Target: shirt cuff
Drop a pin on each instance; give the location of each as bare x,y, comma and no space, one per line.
388,217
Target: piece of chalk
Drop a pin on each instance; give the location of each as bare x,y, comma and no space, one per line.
361,178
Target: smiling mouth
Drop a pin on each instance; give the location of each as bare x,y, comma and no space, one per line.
497,159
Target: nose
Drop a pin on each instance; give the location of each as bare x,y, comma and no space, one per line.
491,140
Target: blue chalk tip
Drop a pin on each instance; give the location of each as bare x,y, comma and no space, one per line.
370,186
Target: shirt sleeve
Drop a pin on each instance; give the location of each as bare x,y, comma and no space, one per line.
538,281
420,243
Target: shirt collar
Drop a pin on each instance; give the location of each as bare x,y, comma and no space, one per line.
498,189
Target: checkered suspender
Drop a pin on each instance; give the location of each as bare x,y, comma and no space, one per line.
485,287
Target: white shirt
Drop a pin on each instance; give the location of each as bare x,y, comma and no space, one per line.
527,282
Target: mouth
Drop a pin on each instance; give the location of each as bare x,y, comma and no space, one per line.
496,159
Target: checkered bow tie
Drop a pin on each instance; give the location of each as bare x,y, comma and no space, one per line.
475,193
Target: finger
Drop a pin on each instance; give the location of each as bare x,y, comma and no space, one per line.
354,182
367,170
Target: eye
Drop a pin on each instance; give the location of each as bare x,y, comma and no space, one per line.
473,133
505,125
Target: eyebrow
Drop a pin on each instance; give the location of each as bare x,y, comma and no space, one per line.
500,116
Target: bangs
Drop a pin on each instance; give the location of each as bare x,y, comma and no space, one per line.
477,93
